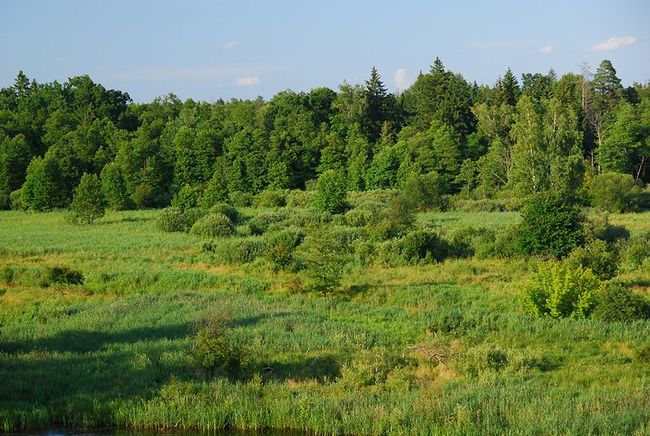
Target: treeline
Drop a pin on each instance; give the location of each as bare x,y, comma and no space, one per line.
510,140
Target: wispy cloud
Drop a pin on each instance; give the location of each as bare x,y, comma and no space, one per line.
230,44
401,81
546,49
247,81
614,43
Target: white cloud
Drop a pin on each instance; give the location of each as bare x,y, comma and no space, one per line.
614,43
401,82
546,49
247,81
230,44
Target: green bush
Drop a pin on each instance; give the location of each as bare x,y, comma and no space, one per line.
483,205
61,275
636,250
281,246
618,303
212,225
395,221
88,203
331,192
368,212
7,275
300,198
613,192
187,197
416,247
550,226
370,367
472,241
236,251
276,198
230,211
16,200
561,291
598,256
426,191
240,199
172,219
214,347
265,221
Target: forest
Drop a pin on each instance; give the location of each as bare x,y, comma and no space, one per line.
454,258
501,142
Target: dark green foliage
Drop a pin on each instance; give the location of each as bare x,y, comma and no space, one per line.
214,347
262,222
561,291
425,191
550,226
281,246
271,198
416,247
44,188
331,193
212,225
497,359
370,368
598,256
230,211
173,219
187,197
240,199
114,186
618,303
7,275
236,251
613,192
643,353
15,155
88,203
323,257
16,200
61,275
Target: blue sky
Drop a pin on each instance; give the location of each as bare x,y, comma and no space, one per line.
210,49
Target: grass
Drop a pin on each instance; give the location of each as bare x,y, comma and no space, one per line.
448,345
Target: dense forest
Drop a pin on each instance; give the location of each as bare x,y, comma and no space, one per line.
503,142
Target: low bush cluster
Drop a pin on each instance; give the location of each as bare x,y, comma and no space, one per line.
61,275
214,347
173,219
212,225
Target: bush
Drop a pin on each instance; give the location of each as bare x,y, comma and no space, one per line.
7,275
230,211
483,205
240,199
636,250
236,251
561,291
618,303
395,221
213,225
114,187
598,257
472,241
173,219
214,346
331,192
187,198
280,246
261,223
370,367
277,198
62,275
323,257
614,192
425,191
550,226
144,196
300,198
88,202
419,246
16,200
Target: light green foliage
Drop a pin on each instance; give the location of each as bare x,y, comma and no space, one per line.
613,192
88,203
425,191
561,291
173,219
187,197
114,187
214,346
636,251
331,192
44,188
212,225
281,246
271,198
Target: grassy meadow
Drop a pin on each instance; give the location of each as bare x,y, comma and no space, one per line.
442,348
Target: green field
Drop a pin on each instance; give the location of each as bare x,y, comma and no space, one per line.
442,348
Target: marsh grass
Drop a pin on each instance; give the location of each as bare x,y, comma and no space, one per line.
116,349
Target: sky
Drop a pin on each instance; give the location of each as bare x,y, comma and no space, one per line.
211,49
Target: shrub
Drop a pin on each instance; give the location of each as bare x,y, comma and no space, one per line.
425,191
368,212
496,359
598,257
62,275
212,225
280,246
173,219
144,196
214,346
16,200
230,211
613,192
88,202
331,192
422,245
300,198
236,251
483,205
240,199
550,226
561,291
370,367
114,187
7,275
636,250
472,241
262,222
187,197
395,221
618,303
276,198
323,257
